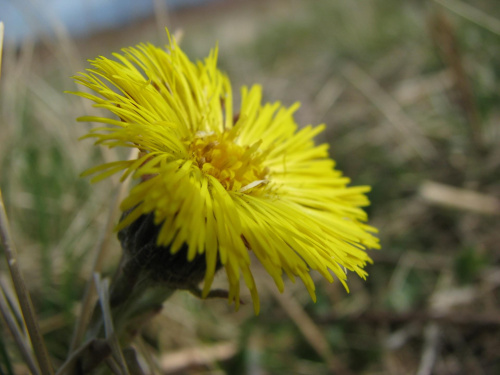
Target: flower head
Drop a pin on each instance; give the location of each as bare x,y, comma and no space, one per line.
224,185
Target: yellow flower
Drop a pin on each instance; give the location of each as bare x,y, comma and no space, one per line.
221,184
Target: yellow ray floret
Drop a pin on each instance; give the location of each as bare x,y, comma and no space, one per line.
224,185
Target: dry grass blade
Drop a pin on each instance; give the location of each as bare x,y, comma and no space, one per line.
16,332
446,39
113,366
13,302
410,133
100,252
133,362
378,318
64,47
74,357
161,15
462,199
417,89
472,14
146,354
431,348
88,296
22,293
102,287
176,362
1,46
328,95
309,329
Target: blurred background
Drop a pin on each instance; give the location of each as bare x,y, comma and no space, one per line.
409,91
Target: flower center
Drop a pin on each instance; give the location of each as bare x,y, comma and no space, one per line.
237,168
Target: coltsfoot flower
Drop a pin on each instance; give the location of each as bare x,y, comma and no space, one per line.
221,184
